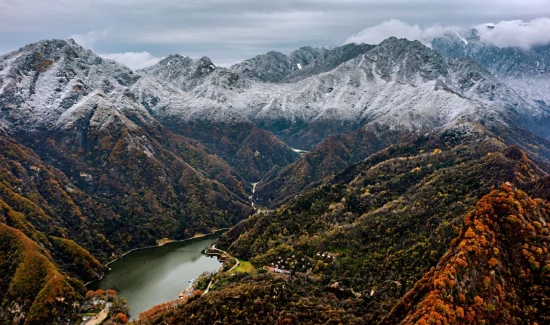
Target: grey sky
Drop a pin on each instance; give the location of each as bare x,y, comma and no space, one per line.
141,31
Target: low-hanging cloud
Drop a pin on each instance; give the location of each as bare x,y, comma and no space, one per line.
378,33
133,60
513,33
229,30
399,29
516,33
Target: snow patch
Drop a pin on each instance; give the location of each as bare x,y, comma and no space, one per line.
462,38
298,150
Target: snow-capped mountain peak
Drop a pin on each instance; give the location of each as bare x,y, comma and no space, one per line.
182,71
42,82
399,83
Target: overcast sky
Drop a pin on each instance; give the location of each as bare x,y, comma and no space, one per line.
139,32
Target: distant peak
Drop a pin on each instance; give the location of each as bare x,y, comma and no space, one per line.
392,41
173,61
274,53
71,41
306,48
55,48
175,56
206,61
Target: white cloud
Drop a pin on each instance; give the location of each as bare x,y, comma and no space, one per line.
133,60
502,34
399,29
378,33
516,33
224,30
89,39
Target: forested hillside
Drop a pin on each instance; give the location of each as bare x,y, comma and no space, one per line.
363,239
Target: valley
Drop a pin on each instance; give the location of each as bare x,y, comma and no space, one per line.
419,193
155,275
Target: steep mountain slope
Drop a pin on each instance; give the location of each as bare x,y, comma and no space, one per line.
398,83
496,271
144,170
251,151
41,81
50,84
224,132
304,62
266,298
331,156
358,243
76,111
41,213
34,290
338,152
48,202
527,71
87,170
386,220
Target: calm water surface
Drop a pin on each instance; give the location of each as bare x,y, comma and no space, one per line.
151,276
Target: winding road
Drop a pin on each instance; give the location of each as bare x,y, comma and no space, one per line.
231,269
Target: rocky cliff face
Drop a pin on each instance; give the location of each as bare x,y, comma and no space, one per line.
526,71
304,62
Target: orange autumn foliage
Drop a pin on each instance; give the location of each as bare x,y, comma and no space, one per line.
121,318
475,260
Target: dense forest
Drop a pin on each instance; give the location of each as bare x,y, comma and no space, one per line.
496,271
56,236
431,209
361,245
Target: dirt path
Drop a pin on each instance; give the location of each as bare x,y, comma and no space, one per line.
208,288
97,319
231,269
234,266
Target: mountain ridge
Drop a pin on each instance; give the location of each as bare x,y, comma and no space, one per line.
427,90
479,269
384,223
171,151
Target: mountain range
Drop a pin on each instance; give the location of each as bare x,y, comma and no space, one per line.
374,154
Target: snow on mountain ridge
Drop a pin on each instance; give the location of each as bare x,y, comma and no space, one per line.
182,70
306,61
43,83
399,83
525,71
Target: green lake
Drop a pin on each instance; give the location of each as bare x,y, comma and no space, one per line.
150,276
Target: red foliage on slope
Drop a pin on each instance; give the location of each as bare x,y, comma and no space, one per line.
497,270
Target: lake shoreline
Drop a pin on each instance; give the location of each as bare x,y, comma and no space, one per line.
148,247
